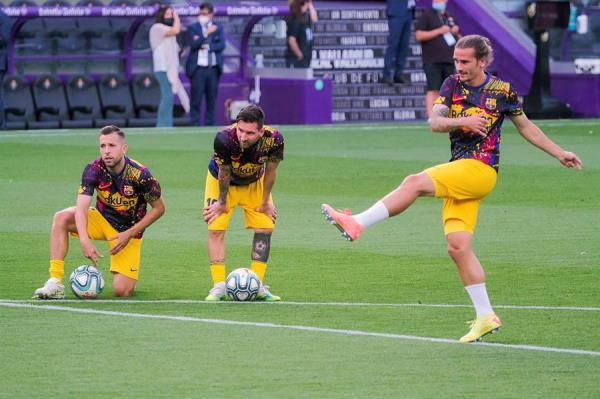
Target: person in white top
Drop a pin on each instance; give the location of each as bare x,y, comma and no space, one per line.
165,55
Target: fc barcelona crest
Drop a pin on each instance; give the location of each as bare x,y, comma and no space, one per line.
490,103
128,191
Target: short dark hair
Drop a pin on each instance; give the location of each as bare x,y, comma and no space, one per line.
207,6
160,14
110,129
481,44
252,113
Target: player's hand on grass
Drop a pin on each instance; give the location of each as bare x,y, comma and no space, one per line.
91,252
122,239
214,211
570,160
269,210
476,124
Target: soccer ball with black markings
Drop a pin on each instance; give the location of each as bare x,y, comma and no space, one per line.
86,282
242,285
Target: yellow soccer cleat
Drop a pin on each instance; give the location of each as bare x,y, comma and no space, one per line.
482,326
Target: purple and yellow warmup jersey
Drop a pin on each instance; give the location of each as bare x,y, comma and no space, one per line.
494,99
247,166
121,199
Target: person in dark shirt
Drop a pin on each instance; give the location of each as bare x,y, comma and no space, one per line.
124,187
300,36
437,31
399,16
242,173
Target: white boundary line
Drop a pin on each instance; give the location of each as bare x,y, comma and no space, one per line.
349,304
296,328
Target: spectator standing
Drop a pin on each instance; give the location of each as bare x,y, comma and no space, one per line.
399,15
165,56
437,32
300,36
205,63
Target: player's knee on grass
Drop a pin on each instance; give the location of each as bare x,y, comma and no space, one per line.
123,286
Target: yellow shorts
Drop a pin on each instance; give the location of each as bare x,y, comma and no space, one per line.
462,184
127,260
246,197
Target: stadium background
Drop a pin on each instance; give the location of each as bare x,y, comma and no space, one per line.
343,86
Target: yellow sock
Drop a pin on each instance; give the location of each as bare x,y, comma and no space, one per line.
259,268
57,268
217,271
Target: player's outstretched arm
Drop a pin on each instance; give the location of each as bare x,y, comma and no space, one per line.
122,238
532,133
440,122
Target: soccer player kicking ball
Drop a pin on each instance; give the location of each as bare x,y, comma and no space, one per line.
124,187
242,173
471,106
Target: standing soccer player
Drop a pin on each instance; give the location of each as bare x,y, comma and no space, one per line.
471,106
124,187
242,173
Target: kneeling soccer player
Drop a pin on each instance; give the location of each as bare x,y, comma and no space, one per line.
124,187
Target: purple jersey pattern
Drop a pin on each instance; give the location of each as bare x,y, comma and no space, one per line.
120,199
494,99
247,166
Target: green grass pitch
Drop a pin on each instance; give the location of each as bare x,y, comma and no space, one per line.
357,319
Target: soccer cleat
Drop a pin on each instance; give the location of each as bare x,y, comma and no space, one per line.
217,293
265,295
53,289
343,221
482,326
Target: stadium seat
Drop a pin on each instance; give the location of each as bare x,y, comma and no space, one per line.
84,103
18,104
50,103
116,98
146,95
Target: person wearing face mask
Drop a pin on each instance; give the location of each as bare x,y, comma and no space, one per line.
165,56
437,32
300,27
205,63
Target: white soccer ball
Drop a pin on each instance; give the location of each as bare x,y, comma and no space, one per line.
242,285
86,282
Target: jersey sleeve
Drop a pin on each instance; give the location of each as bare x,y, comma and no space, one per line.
276,154
513,105
89,179
445,97
149,187
222,153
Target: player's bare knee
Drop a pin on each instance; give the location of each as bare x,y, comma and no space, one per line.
413,183
458,249
261,246
124,292
216,234
62,219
